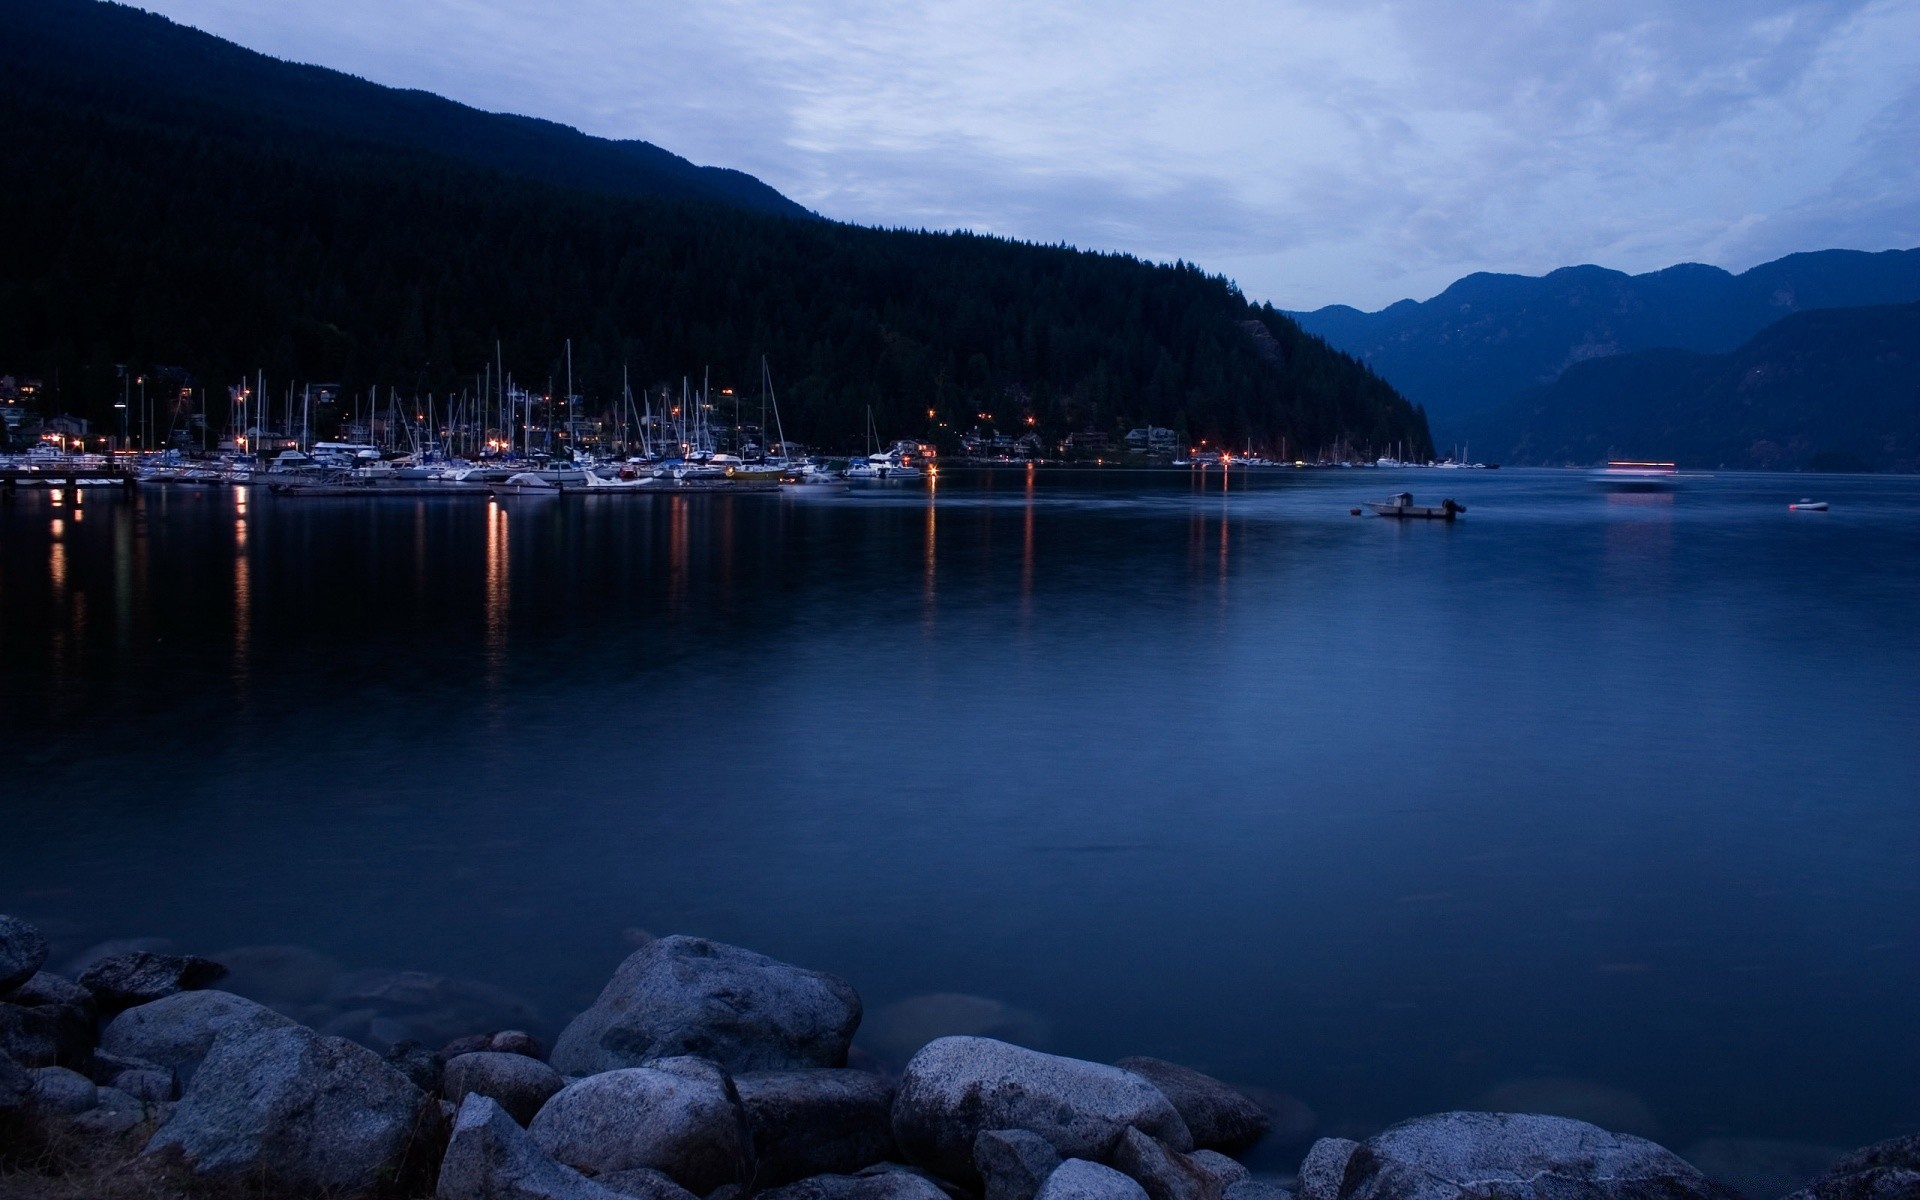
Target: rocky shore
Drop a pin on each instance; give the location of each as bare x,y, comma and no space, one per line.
702,1072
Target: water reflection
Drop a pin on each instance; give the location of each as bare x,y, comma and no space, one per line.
932,557
1026,554
499,593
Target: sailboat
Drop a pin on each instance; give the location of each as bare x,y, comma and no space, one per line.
880,466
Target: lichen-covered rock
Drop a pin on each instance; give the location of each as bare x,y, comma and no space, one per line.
823,1122
519,1084
1518,1156
673,1116
22,950
277,1101
1888,1170
177,1031
1078,1179
490,1157
958,1086
1012,1163
141,976
690,996
1219,1117
1324,1168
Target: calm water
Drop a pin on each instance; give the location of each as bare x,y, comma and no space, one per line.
1621,788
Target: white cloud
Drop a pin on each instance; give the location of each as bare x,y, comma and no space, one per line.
1317,150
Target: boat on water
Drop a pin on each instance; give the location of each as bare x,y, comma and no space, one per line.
1806,505
1400,505
1622,475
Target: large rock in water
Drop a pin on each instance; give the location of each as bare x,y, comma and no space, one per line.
1078,1179
491,1158
1219,1117
1887,1170
517,1083
178,1031
1515,1156
674,1116
22,950
141,976
958,1086
823,1122
684,995
311,1113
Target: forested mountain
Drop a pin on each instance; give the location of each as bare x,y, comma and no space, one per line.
1488,337
1831,389
151,220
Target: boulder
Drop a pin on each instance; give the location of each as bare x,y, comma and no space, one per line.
1223,1170
1012,1163
22,949
1581,1099
1325,1166
957,1086
518,1084
689,996
466,1043
141,976
878,1185
426,1069
896,1031
277,1101
58,1090
114,1113
1887,1170
1518,1156
177,1031
1078,1179
490,1157
45,1035
644,1183
823,1122
1219,1117
517,1041
278,976
674,1116
1164,1173
1257,1189
1760,1168
47,990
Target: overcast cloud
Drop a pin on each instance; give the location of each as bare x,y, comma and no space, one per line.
1317,151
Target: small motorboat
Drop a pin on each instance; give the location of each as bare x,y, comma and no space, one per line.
1808,506
1401,505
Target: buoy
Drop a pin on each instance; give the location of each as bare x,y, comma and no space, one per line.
1354,511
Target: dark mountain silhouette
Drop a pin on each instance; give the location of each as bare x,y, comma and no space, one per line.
173,199
1488,337
1830,389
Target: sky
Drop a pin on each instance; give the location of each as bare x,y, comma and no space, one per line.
1315,151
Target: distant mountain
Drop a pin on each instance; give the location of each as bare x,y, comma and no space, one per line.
175,200
111,54
1488,337
1830,389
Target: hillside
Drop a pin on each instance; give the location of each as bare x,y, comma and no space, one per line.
1831,389
226,228
1488,337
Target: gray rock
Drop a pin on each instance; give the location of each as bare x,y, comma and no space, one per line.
114,1113
177,1031
58,1090
1078,1179
45,1035
881,1185
895,1032
278,975
1887,1170
1325,1167
1012,1163
684,995
46,989
1517,1156
1222,1169
419,1064
1165,1174
957,1086
1257,1189
517,1041
647,1184
22,949
674,1116
1761,1169
822,1122
520,1085
490,1157
147,1086
1219,1117
278,1101
141,976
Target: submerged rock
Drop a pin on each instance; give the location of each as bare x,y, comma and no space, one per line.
1219,1116
673,1116
958,1086
520,1085
1761,1169
1012,1163
277,1101
1078,1179
278,976
684,995
1887,1170
177,1031
380,1008
23,948
896,1031
490,1157
141,976
1452,1156
821,1122
1581,1099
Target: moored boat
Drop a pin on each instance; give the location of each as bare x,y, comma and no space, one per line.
1401,505
1808,506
